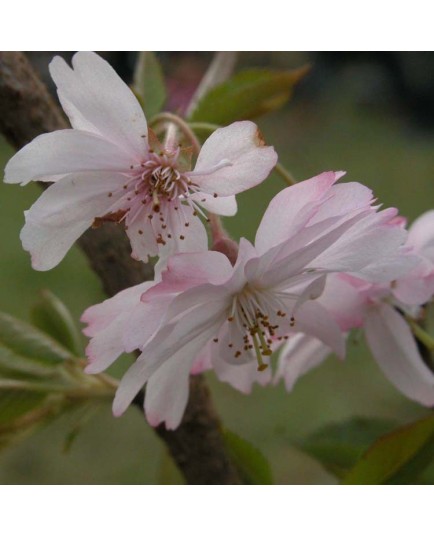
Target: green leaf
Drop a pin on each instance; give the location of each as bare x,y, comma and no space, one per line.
396,458
246,95
15,404
252,464
20,339
338,446
148,84
52,316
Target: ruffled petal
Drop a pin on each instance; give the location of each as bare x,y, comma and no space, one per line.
64,212
248,160
62,152
291,209
97,100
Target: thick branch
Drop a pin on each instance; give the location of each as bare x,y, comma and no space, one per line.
27,110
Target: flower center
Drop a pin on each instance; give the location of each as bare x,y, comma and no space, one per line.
258,316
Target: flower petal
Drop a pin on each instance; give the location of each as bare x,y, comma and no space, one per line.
64,212
395,350
97,100
291,209
167,391
225,206
250,161
299,355
63,152
314,320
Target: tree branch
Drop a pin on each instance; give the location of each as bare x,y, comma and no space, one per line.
27,110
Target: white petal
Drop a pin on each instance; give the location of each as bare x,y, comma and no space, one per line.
63,152
97,100
250,161
395,350
64,212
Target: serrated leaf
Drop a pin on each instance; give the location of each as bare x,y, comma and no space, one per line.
251,463
396,458
246,95
338,446
52,316
149,85
25,340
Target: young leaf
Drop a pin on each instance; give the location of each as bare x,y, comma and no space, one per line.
252,464
52,316
149,83
246,95
25,340
397,457
338,446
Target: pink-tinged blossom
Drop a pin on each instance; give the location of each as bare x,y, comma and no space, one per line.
232,317
379,310
109,168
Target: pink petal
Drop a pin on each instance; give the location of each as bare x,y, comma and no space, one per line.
395,350
97,100
63,152
250,161
63,212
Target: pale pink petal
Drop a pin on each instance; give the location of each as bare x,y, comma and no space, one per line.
97,100
240,146
344,199
314,320
225,206
143,322
99,316
395,350
186,270
240,376
291,209
416,289
167,391
181,340
63,152
299,355
344,301
63,212
421,235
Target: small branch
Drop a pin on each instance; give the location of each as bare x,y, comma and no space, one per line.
285,174
219,70
27,110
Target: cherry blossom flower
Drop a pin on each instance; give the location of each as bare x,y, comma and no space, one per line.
109,167
231,317
380,310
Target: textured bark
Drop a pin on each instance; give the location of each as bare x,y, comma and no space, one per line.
27,110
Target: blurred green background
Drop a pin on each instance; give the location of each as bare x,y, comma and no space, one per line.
345,117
